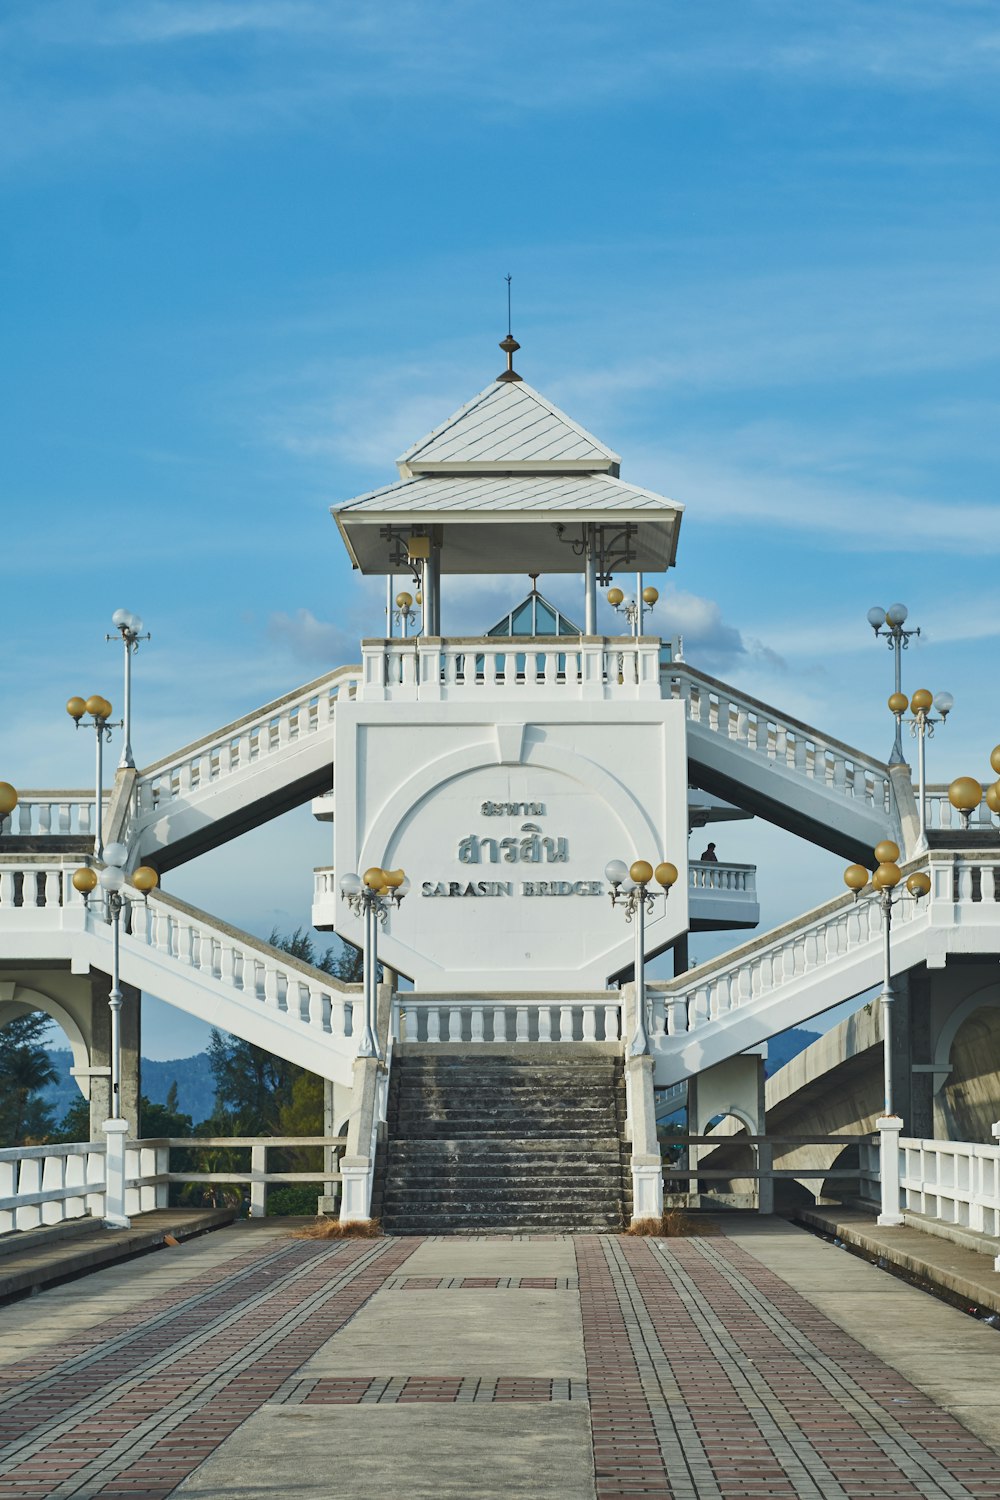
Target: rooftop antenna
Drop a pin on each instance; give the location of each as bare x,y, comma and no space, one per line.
509,345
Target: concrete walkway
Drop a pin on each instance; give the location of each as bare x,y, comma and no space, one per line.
764,1362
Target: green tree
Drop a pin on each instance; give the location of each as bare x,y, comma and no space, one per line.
25,1069
75,1123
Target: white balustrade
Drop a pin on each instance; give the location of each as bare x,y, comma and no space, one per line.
53,815
31,888
42,1185
448,1019
263,975
438,669
963,891
954,1182
940,815
707,875
714,707
239,745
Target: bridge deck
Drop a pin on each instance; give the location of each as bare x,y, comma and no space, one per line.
761,1362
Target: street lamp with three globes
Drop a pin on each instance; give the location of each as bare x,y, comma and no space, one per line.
884,881
370,897
100,712
630,888
112,883
888,625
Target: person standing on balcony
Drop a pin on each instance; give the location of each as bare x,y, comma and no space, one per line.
710,857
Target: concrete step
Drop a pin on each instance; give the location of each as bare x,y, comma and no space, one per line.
429,1224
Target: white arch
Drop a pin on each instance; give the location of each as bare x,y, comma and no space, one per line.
565,762
25,1000
738,1113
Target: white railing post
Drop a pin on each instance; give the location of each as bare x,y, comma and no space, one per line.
889,1128
258,1186
115,1216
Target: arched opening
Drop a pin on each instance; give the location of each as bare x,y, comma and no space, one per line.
41,1097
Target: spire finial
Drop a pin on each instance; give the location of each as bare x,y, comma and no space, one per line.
509,345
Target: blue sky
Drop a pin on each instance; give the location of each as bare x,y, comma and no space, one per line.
252,250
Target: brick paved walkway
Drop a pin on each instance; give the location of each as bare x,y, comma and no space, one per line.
708,1377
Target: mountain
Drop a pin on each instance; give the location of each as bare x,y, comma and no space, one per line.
195,1085
788,1044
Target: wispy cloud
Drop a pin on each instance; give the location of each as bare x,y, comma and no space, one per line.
557,59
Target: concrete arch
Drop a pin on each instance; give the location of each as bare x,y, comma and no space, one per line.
987,998
25,999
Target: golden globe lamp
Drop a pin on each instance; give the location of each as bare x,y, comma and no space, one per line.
922,700
76,708
641,871
145,879
856,878
898,703
394,878
887,876
666,874
918,884
8,799
995,758
650,595
965,794
374,878
404,600
992,796
886,852
84,880
615,597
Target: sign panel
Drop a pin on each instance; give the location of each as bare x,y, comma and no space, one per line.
507,860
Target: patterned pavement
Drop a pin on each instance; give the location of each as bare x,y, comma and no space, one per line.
708,1377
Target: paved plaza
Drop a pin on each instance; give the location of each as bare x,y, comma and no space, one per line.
762,1362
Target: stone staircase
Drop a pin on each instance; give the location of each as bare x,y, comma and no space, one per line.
504,1140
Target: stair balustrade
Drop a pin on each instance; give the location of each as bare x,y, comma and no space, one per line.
828,955
246,742
715,708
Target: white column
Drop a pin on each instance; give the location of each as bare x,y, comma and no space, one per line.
590,583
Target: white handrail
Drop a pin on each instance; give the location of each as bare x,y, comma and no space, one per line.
47,1184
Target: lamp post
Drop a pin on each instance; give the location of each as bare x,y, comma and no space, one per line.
100,712
888,625
404,611
634,609
129,628
369,897
630,887
8,802
921,727
111,880
884,881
